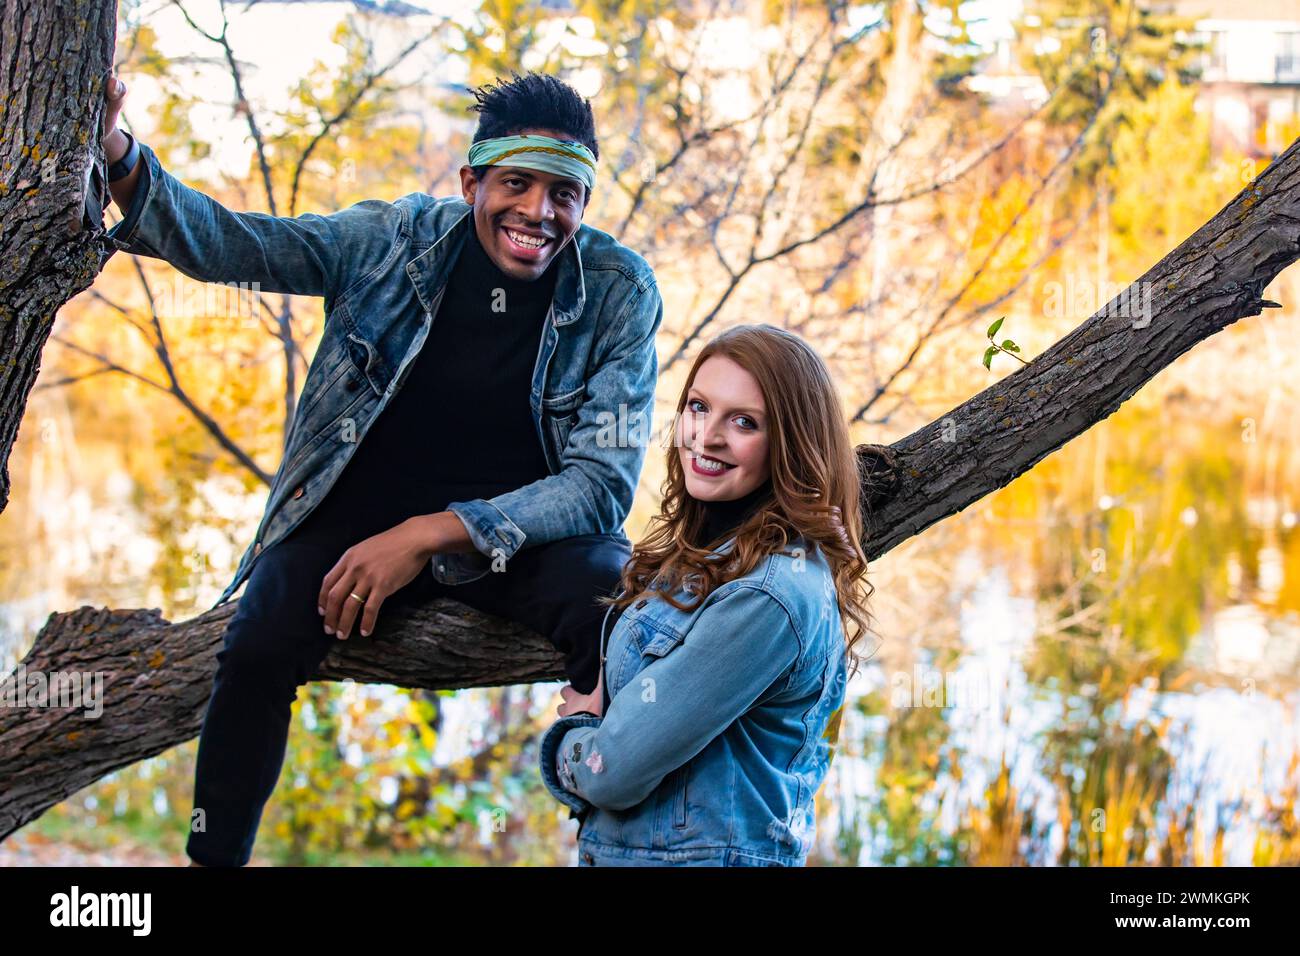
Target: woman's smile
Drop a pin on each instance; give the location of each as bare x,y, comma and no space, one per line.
709,467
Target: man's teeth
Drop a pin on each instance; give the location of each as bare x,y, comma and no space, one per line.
532,242
711,464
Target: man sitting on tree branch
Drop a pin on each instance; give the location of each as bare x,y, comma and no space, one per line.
469,458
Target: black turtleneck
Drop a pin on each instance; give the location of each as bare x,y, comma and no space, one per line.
460,426
721,518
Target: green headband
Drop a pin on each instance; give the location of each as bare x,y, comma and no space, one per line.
533,151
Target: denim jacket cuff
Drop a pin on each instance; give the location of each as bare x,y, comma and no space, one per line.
551,758
122,233
491,532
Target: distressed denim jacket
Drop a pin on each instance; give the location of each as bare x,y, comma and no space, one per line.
382,268
719,727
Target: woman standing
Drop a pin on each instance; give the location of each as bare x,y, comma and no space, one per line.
726,666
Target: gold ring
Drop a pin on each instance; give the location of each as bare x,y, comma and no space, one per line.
354,595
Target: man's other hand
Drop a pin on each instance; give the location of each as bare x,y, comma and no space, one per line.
115,143
114,98
373,569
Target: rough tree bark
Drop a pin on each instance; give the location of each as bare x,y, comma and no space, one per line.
54,57
157,674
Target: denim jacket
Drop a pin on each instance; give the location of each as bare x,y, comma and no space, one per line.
720,725
382,268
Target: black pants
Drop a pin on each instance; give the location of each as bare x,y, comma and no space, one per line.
276,640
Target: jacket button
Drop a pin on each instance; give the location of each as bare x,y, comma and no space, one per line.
588,859
642,603
297,492
257,548
352,384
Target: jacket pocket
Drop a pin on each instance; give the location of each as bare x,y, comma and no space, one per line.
679,797
368,362
322,379
314,421
652,642
561,428
739,858
561,414
565,402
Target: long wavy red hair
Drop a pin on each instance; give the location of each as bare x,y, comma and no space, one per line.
817,487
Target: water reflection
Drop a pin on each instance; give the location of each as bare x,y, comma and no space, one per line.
1120,684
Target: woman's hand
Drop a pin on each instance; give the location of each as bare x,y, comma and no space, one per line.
575,703
373,569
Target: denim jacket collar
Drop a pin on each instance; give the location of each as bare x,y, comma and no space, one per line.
430,270
721,549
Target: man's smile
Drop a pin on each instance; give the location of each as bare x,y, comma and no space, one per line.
527,244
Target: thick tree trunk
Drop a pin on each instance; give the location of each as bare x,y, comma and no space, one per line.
55,56
156,675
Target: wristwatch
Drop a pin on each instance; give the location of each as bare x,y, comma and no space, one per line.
122,168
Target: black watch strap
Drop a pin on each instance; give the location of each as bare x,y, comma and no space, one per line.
122,168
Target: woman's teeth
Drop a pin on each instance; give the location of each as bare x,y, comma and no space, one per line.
530,242
711,464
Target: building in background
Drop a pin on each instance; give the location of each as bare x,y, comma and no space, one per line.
1250,71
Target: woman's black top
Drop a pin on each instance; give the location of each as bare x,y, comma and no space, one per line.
723,517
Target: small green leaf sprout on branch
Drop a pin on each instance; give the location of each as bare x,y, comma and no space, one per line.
1007,346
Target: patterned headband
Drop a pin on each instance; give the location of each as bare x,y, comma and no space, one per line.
533,151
